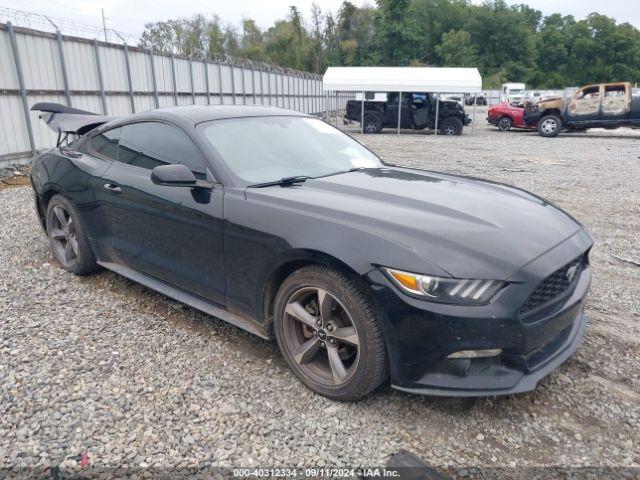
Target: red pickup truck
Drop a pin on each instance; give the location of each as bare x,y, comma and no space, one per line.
506,116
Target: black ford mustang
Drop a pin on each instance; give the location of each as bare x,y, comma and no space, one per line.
282,225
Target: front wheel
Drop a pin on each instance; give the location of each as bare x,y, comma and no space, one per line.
549,126
505,124
451,126
328,331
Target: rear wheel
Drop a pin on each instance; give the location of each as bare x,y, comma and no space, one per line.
549,126
329,334
69,243
505,124
451,126
372,123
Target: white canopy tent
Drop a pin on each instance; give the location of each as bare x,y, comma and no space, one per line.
402,80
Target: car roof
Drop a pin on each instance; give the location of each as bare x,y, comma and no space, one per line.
195,114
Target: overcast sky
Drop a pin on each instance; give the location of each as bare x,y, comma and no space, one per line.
130,15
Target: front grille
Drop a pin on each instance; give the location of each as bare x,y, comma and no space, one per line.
553,287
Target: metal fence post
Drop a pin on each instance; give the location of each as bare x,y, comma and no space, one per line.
261,86
253,84
269,85
296,96
173,80
220,80
103,99
233,83
23,90
399,110
63,66
326,106
153,79
437,110
126,62
206,80
193,93
361,114
244,87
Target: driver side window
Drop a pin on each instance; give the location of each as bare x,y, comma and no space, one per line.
589,93
151,144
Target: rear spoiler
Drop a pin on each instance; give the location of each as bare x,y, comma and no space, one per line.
67,121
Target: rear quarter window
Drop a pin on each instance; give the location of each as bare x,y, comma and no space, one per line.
105,143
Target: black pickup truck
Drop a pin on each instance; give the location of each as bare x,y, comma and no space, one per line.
418,112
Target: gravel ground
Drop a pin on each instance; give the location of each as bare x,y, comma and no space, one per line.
103,367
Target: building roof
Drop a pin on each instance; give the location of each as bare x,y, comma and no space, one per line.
402,79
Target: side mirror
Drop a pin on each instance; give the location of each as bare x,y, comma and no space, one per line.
173,175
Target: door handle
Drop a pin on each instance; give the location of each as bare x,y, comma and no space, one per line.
112,187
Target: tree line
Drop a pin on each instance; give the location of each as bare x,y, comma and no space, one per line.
505,42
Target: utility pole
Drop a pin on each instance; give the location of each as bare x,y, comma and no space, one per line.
104,25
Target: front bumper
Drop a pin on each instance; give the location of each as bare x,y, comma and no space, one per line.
420,335
467,120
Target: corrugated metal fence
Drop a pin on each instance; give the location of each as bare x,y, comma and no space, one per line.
115,79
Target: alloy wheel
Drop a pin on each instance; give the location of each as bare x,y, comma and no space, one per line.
321,336
371,126
504,124
64,239
449,130
549,125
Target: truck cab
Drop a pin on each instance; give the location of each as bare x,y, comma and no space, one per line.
418,112
604,105
513,92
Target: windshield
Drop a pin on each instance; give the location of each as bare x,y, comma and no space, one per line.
266,149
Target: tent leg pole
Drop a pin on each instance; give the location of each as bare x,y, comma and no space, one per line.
399,110
437,111
473,116
362,114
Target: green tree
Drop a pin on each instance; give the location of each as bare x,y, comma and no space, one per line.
457,50
396,34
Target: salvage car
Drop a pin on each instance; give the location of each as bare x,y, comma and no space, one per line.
506,116
605,105
361,270
479,99
418,112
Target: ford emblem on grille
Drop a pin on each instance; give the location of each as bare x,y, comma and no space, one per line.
571,272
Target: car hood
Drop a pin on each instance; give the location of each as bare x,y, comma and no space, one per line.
466,227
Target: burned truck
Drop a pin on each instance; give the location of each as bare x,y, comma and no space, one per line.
605,105
418,112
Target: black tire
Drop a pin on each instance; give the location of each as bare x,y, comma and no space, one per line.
549,126
69,243
504,124
372,123
451,126
349,309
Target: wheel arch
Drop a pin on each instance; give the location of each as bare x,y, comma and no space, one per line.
293,261
43,201
552,111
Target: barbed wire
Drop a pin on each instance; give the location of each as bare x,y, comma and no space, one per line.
48,23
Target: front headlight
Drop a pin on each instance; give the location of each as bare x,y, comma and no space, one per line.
445,290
